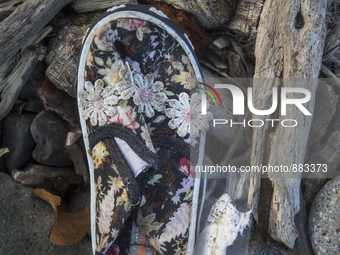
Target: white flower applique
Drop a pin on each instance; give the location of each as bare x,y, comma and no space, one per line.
126,87
186,116
150,95
98,102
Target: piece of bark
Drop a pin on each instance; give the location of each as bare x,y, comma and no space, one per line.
329,154
11,86
210,13
76,155
290,52
216,60
325,106
82,6
246,17
236,67
221,43
189,25
64,51
47,177
24,23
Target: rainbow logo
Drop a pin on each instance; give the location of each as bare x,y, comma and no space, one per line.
209,93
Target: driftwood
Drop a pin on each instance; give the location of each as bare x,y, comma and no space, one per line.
82,6
324,154
12,85
47,177
24,23
292,50
246,17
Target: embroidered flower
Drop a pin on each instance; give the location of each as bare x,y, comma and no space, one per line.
125,116
185,78
134,24
149,94
126,87
98,102
186,117
146,137
105,38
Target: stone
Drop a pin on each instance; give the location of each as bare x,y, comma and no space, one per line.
324,219
50,131
58,101
29,90
25,223
18,139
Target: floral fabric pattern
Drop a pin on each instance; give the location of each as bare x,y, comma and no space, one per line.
112,202
138,75
164,215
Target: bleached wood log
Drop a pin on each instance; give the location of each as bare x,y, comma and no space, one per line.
289,44
24,23
12,85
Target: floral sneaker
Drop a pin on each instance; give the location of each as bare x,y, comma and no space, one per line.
136,74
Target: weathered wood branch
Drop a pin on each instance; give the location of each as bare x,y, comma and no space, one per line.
47,177
24,23
289,44
12,85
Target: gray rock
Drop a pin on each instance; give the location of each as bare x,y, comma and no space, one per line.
257,246
18,139
25,223
29,90
49,131
324,219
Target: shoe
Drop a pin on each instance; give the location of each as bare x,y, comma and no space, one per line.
136,73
